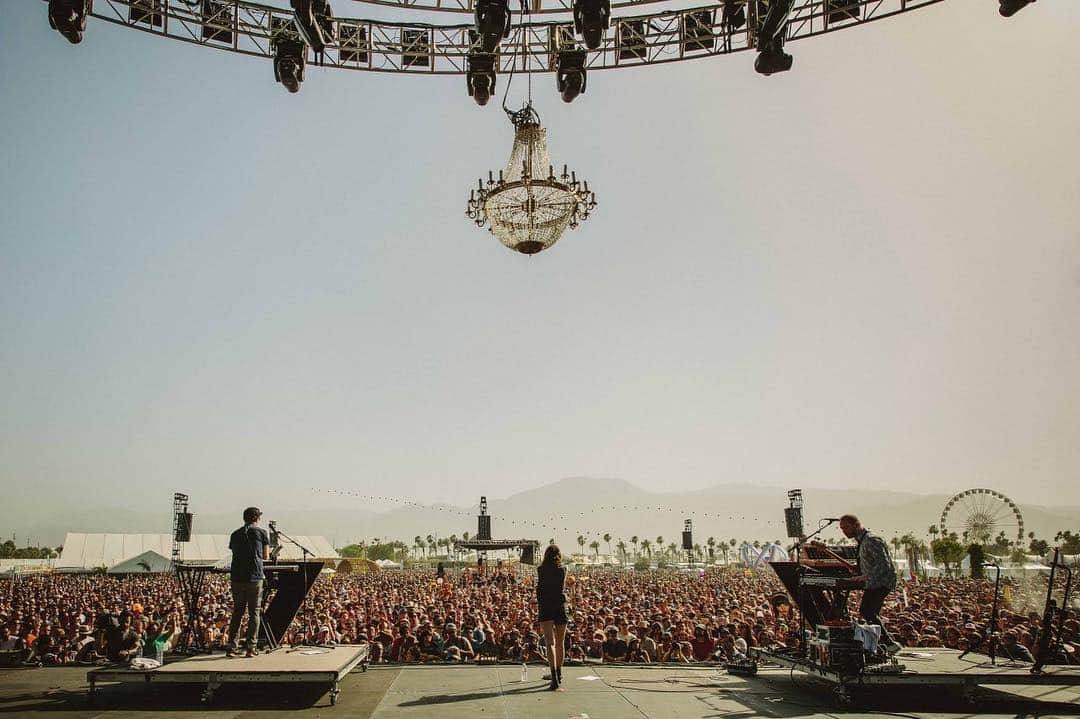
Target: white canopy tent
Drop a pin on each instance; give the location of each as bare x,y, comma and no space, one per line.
148,561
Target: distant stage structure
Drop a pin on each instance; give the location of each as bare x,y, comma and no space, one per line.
483,543
981,515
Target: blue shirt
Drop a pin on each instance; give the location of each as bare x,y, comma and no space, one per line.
247,545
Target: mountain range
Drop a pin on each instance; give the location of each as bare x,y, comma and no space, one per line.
563,510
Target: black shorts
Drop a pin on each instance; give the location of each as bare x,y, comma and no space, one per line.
555,614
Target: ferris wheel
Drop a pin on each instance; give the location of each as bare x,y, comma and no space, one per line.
981,515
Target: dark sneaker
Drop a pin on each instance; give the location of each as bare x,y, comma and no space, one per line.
251,653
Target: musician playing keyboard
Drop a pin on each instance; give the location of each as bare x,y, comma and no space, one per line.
875,572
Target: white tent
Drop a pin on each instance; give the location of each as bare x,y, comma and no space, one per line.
148,561
388,564
83,552
1027,569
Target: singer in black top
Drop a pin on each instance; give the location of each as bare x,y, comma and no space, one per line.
250,547
551,602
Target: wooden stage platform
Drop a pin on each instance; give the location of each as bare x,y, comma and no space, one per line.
299,665
934,666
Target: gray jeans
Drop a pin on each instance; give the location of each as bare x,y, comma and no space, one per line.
247,596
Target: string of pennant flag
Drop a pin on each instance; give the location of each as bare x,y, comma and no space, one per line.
553,522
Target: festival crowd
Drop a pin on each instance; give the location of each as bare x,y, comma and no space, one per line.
415,616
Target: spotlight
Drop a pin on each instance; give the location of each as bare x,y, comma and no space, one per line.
591,18
492,23
770,39
480,79
68,17
570,79
772,58
1008,8
289,63
315,20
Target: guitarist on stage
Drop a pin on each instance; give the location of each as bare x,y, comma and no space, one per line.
876,574
250,547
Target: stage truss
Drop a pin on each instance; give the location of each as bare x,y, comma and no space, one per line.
425,49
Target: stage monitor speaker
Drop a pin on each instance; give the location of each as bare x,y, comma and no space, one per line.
183,527
483,528
687,541
793,519
528,556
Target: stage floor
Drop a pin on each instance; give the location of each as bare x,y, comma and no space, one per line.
945,667
453,692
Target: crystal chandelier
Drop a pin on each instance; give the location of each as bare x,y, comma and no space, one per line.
528,208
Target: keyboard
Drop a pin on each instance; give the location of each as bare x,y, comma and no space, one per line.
826,582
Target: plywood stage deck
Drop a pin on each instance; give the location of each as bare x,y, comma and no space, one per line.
303,665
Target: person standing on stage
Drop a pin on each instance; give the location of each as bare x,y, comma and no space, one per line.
876,574
250,547
551,602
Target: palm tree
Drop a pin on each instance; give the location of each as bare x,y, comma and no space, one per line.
634,541
673,549
581,544
660,545
607,540
933,530
621,546
417,542
595,547
711,542
697,551
647,546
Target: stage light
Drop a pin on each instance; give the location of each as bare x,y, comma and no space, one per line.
1008,8
772,58
480,79
68,17
289,63
492,23
770,39
570,77
591,19
315,20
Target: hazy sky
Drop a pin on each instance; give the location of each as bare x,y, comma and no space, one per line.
863,272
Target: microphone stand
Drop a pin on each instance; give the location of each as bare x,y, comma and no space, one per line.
992,630
304,551
800,571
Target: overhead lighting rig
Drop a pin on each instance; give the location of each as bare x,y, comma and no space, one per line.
591,19
68,17
315,21
492,23
289,60
770,39
570,73
480,79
